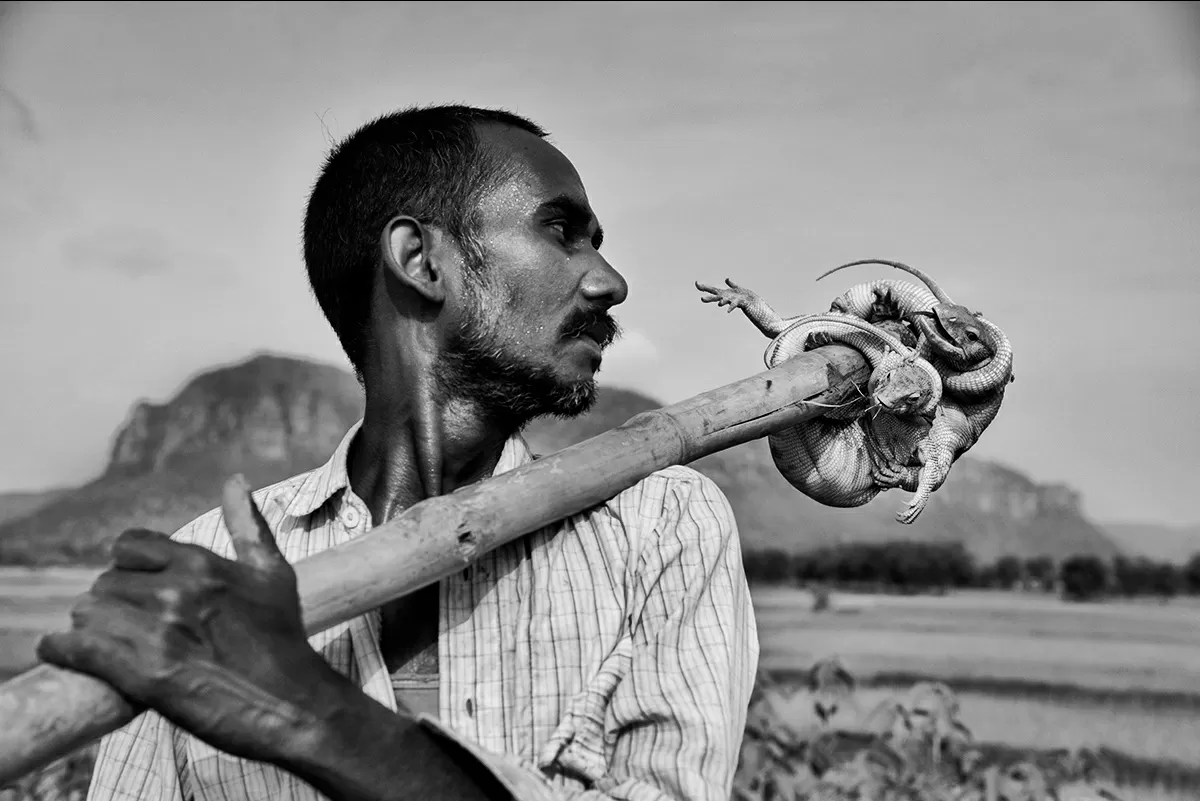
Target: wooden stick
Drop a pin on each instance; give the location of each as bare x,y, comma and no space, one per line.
47,712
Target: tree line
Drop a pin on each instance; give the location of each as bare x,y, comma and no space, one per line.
922,567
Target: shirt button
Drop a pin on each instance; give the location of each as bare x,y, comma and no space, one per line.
350,517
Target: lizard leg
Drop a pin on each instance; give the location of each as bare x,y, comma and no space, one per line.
757,310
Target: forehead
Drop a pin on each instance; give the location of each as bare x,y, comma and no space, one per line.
537,172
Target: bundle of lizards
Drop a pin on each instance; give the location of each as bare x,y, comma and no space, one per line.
938,376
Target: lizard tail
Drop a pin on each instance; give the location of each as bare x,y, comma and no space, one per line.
849,320
920,274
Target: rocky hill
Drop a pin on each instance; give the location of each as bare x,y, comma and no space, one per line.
271,417
19,504
1175,544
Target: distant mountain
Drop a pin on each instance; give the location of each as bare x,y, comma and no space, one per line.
19,504
1162,543
271,417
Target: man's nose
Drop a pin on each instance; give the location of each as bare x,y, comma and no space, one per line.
603,285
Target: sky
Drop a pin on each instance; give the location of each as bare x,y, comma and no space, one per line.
1042,161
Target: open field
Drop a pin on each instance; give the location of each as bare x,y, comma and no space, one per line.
992,638
1030,671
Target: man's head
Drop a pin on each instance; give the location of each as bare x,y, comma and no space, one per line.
462,233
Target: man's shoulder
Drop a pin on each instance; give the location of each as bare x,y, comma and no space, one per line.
208,529
683,481
676,497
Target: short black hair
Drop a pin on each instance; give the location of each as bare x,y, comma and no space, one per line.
424,162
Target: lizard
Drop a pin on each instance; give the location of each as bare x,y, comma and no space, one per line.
952,331
955,429
846,457
831,458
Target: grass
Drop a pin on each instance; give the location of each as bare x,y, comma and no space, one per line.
1149,734
1030,671
981,637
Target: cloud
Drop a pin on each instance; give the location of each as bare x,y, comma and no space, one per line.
133,251
130,250
632,348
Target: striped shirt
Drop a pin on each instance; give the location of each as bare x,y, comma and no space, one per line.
609,655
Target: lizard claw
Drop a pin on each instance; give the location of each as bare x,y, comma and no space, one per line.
734,297
886,476
910,513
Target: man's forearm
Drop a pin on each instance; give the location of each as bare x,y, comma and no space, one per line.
358,750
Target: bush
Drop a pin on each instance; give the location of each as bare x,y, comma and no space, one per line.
911,748
1191,575
1084,578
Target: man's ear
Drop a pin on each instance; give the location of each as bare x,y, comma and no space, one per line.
408,256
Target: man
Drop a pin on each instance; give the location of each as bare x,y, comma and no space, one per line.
609,655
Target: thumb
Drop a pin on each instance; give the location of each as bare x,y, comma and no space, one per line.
252,539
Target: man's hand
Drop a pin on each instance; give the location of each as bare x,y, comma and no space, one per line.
215,646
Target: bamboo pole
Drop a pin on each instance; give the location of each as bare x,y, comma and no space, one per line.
47,712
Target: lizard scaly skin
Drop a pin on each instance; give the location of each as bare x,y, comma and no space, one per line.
880,300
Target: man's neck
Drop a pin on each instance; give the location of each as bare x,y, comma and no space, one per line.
383,464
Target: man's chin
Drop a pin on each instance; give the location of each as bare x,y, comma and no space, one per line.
572,398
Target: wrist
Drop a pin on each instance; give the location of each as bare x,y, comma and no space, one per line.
336,719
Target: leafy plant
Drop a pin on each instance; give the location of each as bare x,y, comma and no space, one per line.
913,747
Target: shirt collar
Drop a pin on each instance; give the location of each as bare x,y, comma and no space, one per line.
324,482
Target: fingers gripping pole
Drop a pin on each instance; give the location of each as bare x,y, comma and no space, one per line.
47,712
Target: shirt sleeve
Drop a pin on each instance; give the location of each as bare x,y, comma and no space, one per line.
137,763
145,760
676,719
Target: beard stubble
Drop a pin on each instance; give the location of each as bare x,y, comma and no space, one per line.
480,364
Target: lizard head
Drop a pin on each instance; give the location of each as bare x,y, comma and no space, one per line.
961,327
907,387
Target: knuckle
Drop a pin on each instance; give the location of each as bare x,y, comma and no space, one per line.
170,598
132,536
196,560
104,585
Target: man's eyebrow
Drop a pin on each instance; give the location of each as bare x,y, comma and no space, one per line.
575,213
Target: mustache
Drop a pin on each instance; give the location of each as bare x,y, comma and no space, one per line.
596,323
